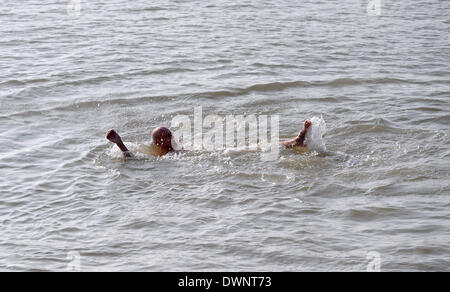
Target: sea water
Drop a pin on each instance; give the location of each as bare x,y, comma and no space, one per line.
314,135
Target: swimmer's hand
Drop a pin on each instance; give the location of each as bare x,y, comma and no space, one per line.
114,137
306,125
300,139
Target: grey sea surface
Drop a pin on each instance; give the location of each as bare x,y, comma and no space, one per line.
72,71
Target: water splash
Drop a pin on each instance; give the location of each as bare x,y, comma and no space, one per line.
314,136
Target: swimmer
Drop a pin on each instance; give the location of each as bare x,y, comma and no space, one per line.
163,139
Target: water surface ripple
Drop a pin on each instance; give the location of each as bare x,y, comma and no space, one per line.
380,82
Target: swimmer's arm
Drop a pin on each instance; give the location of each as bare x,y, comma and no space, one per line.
300,139
115,138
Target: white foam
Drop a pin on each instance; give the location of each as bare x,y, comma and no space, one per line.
314,136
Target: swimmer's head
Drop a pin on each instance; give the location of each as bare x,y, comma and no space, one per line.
162,137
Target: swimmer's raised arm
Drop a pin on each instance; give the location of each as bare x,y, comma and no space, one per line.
115,138
300,139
